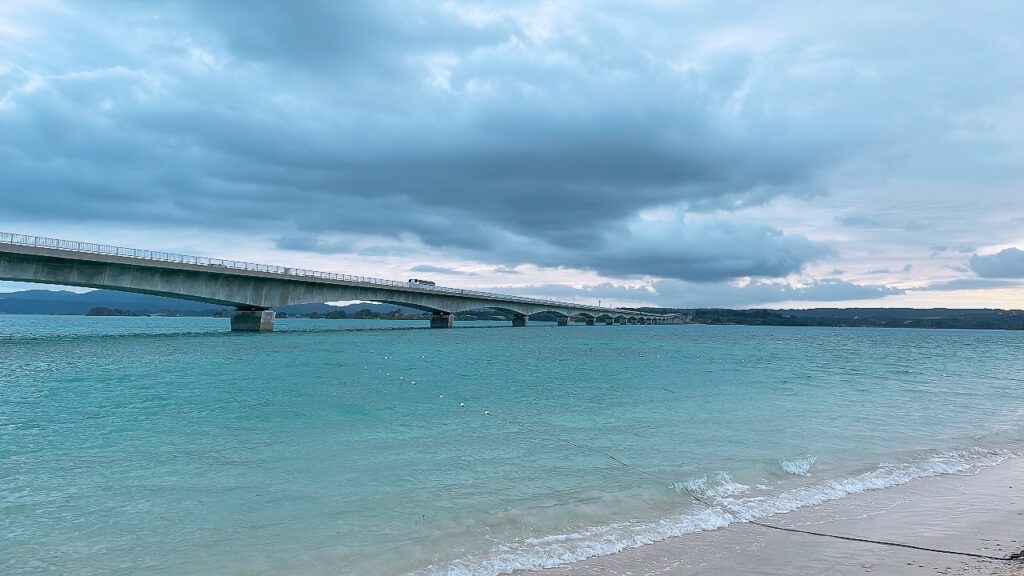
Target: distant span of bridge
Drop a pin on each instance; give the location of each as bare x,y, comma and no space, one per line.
254,290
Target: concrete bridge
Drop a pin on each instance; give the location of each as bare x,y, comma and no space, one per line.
255,289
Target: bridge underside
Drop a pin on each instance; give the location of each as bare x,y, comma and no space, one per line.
255,295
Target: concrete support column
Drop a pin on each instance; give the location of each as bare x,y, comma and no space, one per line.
252,320
442,320
563,321
519,321
591,322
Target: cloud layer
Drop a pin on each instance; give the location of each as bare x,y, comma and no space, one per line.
652,140
1008,263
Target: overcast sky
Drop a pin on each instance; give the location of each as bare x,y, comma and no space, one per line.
651,152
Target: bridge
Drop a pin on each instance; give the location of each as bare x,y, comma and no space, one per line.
255,289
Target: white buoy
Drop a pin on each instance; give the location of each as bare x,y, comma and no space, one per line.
462,404
487,412
441,396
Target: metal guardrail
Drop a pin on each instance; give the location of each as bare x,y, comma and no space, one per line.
90,248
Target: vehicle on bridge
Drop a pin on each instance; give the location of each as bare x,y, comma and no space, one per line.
422,282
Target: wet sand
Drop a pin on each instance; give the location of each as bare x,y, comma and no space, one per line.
981,513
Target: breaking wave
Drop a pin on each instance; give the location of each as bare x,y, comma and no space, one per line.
798,466
732,502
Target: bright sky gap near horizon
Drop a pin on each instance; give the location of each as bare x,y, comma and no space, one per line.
680,154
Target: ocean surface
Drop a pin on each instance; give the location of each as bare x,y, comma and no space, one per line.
335,447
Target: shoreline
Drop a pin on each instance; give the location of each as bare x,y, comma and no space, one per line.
980,512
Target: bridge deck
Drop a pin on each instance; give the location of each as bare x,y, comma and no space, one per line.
251,286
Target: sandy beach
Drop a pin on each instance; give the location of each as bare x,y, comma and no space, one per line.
980,513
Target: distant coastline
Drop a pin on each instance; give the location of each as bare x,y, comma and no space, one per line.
112,303
934,318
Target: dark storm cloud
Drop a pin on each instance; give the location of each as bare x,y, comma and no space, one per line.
509,133
699,251
1008,263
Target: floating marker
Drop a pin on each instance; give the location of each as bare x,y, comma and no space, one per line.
441,396
462,404
487,412
413,382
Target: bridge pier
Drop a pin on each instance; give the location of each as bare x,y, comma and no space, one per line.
563,321
442,320
253,320
519,321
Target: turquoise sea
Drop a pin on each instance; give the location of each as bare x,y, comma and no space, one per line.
172,446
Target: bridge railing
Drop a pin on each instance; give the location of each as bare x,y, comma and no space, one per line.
106,249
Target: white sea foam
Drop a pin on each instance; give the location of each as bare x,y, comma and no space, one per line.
729,506
798,466
720,485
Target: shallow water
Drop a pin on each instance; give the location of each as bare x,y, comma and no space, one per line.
171,446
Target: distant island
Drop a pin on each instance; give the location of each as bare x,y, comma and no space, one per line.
113,303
